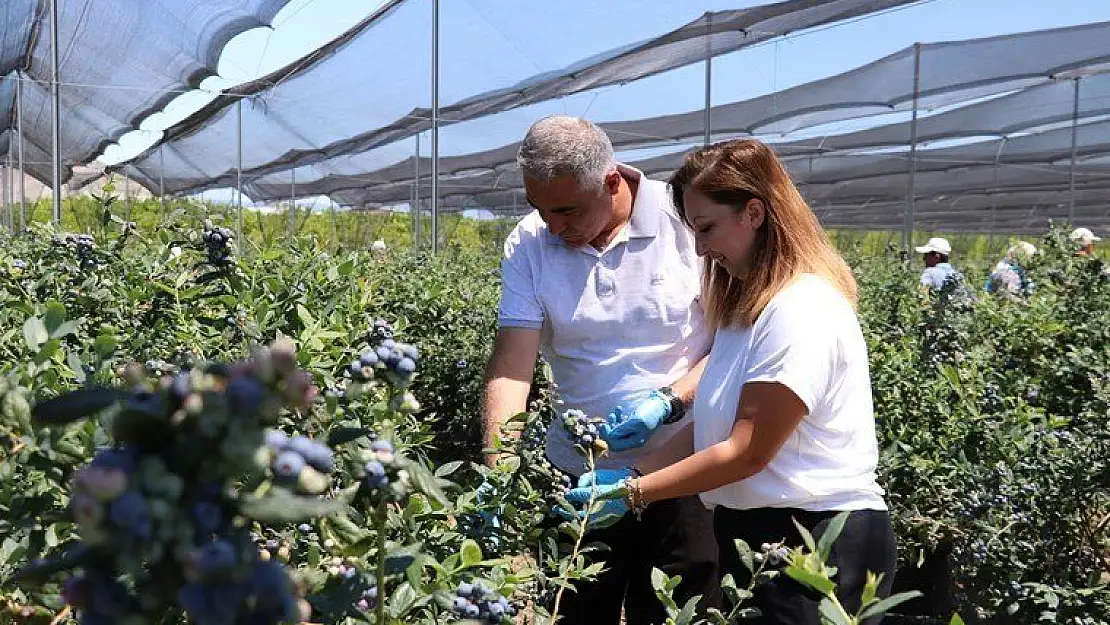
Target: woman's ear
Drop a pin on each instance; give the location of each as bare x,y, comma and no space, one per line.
756,212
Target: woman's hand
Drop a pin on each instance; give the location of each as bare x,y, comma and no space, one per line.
602,485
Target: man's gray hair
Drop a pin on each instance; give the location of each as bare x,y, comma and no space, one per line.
560,145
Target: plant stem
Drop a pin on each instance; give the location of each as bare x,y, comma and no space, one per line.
577,541
379,521
840,609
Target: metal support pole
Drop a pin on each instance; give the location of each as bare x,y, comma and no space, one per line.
331,215
1074,136
417,221
435,126
5,168
56,186
907,227
162,177
9,176
239,173
127,194
293,207
708,78
22,173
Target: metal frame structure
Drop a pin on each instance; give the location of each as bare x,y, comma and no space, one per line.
12,160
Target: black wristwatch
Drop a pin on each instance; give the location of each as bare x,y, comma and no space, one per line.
678,409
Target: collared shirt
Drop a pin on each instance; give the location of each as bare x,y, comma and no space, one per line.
615,323
808,339
935,276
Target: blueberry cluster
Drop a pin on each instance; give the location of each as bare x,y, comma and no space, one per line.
85,244
101,599
368,600
158,517
384,474
380,331
396,362
584,432
298,462
161,367
217,243
478,601
560,482
773,554
19,264
264,594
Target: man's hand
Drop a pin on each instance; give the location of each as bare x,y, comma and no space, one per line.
624,432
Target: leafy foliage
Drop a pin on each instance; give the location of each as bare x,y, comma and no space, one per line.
991,416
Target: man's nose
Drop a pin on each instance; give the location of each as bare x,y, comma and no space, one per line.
556,225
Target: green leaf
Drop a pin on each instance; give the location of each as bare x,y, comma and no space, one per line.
658,579
746,555
686,616
830,614
879,607
282,506
105,345
34,332
806,536
401,558
817,582
55,317
41,570
426,483
67,328
342,435
448,468
75,364
75,405
401,600
831,533
305,316
47,351
471,553
956,620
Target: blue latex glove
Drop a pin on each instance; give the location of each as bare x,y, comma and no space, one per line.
630,429
611,496
603,476
492,518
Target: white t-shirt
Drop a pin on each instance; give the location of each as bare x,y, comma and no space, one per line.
615,323
808,338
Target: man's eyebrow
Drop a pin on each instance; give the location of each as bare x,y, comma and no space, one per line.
559,209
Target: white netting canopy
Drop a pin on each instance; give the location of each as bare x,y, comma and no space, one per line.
119,61
496,62
1013,99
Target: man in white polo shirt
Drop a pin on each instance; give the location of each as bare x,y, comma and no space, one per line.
604,279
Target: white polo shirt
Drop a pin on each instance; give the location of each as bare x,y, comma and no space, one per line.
808,338
615,323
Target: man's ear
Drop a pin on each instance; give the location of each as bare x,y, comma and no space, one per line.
613,182
756,212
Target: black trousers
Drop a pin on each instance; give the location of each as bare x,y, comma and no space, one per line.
866,543
675,536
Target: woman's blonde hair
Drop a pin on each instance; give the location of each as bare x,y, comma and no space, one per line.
790,241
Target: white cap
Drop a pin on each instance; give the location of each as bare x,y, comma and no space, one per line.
1021,249
935,244
378,246
1084,236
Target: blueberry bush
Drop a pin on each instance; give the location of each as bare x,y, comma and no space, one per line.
160,463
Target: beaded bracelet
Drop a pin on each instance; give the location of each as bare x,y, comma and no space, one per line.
635,497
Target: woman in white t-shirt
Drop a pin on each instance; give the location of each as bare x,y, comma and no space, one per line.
783,424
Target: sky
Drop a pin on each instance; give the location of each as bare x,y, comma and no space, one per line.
303,25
